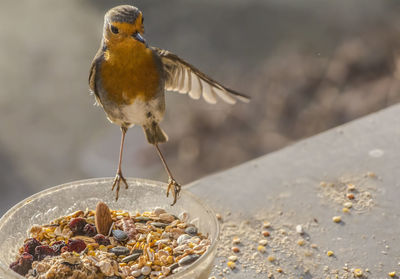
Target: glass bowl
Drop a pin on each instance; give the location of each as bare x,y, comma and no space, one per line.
65,199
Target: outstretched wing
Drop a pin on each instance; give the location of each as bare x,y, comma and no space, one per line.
186,79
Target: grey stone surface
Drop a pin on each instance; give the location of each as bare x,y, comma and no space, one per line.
289,181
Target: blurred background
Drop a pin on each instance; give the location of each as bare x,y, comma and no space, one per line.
308,65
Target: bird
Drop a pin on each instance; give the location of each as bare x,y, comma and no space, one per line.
129,78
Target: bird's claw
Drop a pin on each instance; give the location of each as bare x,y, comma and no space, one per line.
117,182
175,187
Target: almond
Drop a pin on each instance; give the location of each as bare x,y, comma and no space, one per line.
103,218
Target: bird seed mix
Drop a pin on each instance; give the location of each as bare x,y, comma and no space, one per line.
81,245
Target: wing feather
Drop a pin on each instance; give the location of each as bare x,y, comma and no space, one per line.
196,87
185,78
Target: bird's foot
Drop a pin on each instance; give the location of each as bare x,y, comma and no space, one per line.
117,181
175,187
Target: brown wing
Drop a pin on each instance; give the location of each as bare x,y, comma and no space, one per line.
186,79
92,75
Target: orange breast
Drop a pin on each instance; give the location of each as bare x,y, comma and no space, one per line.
129,72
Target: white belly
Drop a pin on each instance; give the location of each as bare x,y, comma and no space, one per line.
138,113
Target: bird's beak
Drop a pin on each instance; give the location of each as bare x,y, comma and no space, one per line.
139,38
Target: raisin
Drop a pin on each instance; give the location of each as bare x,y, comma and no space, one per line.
90,230
23,264
76,245
77,224
43,251
30,245
101,239
57,246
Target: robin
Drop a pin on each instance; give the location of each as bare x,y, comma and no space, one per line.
128,78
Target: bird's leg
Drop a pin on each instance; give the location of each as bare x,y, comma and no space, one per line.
172,184
119,176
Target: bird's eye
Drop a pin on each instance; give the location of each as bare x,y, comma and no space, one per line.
114,29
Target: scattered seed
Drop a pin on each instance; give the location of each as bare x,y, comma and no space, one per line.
350,196
337,219
392,274
219,217
280,270
345,210
301,242
329,253
235,249
263,242
299,229
236,240
271,258
233,258
266,225
348,204
261,249
265,233
351,187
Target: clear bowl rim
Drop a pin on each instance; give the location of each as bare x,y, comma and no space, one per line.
147,182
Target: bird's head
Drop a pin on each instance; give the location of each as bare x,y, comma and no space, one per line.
122,24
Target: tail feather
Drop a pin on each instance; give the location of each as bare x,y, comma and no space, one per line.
154,134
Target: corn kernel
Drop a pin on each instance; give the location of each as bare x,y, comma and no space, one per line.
358,272
92,253
345,210
337,219
103,248
170,259
271,258
168,249
122,264
329,253
261,248
392,274
280,270
231,265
